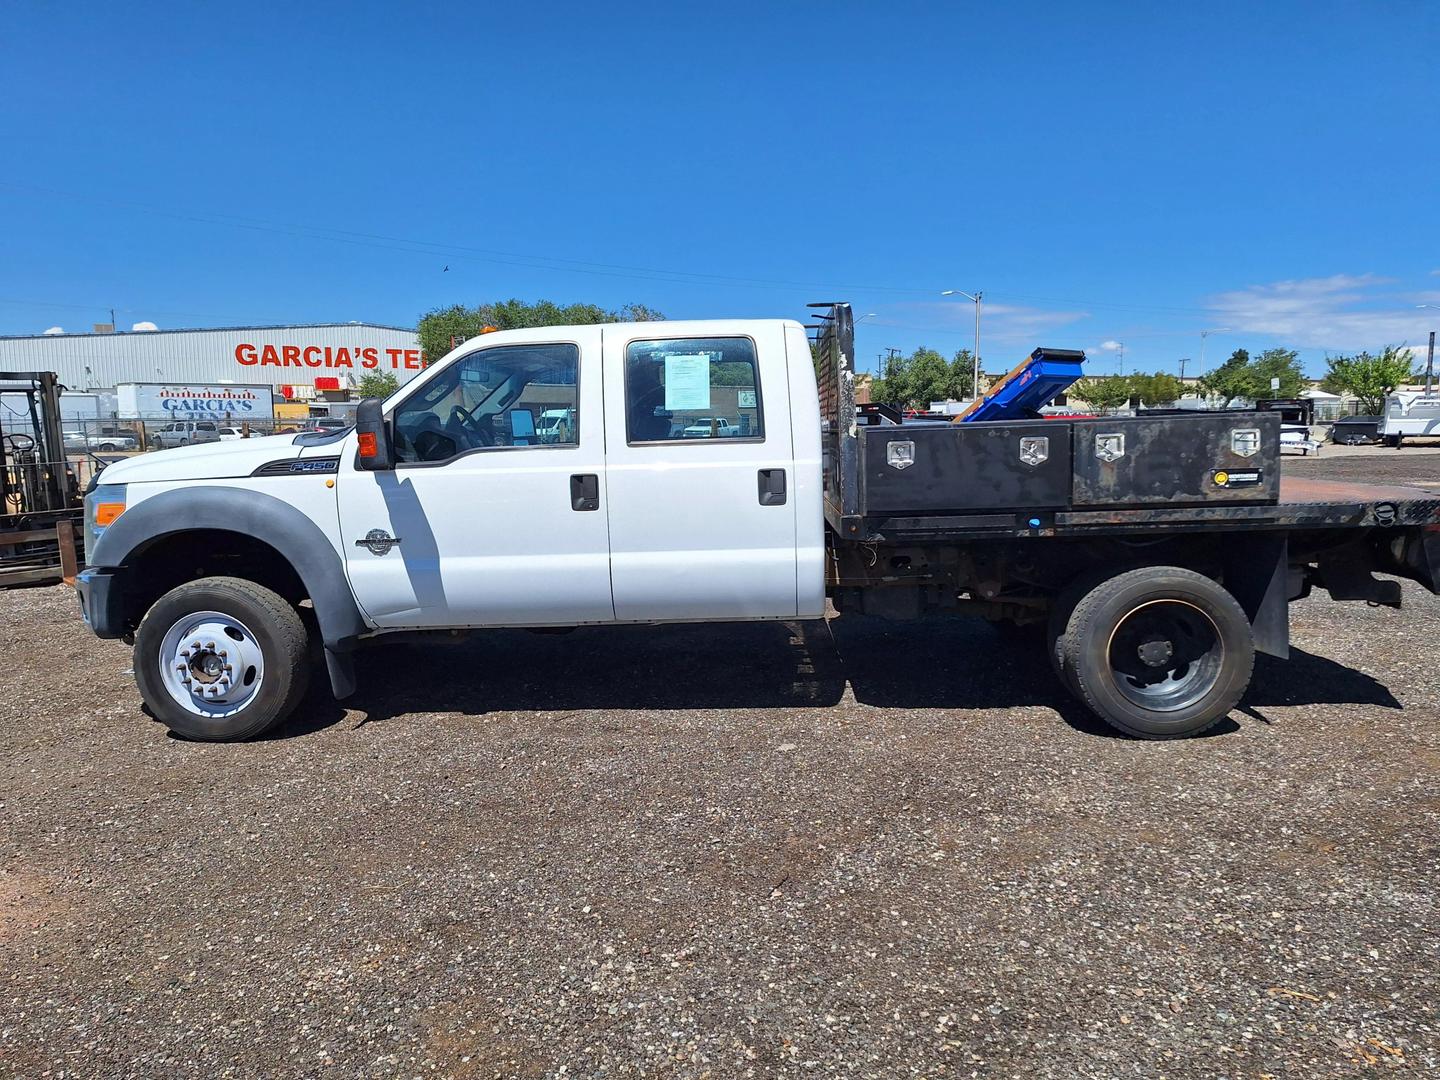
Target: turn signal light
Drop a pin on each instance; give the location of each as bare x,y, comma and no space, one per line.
105,513
368,447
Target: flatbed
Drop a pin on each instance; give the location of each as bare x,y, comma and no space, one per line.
1019,520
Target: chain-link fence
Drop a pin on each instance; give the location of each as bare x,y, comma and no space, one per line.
111,437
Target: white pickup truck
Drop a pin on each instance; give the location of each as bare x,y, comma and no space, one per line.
1157,566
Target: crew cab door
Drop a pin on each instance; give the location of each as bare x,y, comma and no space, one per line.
487,519
702,515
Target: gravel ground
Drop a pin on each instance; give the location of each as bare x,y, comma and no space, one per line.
724,852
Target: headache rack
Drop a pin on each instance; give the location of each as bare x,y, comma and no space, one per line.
833,343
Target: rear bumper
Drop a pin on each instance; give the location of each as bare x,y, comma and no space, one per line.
99,593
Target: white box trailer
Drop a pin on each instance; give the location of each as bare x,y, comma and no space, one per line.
1409,413
190,401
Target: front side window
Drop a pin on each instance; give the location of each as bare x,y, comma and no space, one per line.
692,388
507,397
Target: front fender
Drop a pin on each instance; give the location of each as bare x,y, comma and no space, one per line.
264,517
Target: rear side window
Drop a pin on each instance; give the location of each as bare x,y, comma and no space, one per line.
692,389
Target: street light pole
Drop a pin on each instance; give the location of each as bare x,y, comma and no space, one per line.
975,374
1205,334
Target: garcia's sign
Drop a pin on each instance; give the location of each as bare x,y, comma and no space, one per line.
328,356
166,401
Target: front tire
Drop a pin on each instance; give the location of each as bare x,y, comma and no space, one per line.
1158,653
221,659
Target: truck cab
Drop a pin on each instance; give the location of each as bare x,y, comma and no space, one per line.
480,512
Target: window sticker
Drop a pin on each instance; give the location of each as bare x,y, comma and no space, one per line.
687,381
745,399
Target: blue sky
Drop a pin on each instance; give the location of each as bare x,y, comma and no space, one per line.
1103,172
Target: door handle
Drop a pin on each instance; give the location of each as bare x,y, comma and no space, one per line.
585,491
772,487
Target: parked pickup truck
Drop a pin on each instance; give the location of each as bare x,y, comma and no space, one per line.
1157,555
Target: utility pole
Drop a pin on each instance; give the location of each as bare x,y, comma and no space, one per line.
1183,361
1430,365
890,360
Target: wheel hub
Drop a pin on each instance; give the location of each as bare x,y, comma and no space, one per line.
211,663
1156,652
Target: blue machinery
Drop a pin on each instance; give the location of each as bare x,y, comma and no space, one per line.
1031,384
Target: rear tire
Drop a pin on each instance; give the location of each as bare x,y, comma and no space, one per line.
1159,652
221,659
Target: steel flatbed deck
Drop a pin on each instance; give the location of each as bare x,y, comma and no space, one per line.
1304,503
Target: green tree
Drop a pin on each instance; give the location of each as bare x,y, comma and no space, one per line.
443,328
1242,377
1230,380
914,381
962,374
378,384
1370,378
1160,388
1272,364
1103,392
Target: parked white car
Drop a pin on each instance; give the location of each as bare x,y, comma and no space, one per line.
230,434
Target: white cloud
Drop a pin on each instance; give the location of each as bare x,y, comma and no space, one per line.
1340,312
141,327
1111,346
54,330
1006,325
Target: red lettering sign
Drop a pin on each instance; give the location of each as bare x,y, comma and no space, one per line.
327,356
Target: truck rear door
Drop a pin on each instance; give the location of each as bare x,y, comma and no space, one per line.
702,517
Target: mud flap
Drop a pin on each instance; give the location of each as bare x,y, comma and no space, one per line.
1257,574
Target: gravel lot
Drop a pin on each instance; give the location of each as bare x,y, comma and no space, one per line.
724,852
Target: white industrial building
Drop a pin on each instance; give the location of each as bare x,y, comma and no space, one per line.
277,356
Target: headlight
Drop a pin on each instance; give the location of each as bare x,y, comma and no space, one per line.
103,504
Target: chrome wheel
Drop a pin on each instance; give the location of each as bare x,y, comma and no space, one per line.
211,664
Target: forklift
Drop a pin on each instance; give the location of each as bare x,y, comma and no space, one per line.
41,501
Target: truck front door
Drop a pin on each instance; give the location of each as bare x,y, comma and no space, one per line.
701,477
484,521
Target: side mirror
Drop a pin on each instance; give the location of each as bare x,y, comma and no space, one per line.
377,452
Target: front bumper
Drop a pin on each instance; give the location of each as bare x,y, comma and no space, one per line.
100,607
